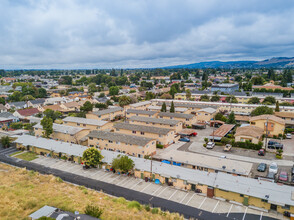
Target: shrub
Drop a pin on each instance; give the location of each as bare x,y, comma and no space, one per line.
93,211
188,126
134,204
206,140
155,211
279,156
147,208
248,145
225,140
160,146
204,145
218,143
59,180
121,200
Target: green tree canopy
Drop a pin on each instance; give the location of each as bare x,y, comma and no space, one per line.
49,113
47,124
188,94
219,116
204,98
113,90
253,100
215,98
172,107
163,107
124,100
277,109
262,110
87,107
92,157
231,99
123,163
231,118
5,141
269,100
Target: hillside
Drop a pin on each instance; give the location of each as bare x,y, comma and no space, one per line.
275,62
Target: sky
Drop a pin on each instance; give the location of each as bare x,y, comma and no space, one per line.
69,34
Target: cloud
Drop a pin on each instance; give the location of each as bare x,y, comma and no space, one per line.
129,33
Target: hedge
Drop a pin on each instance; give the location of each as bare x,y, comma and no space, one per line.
248,145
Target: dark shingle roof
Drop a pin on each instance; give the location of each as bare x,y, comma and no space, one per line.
37,101
154,120
142,128
129,139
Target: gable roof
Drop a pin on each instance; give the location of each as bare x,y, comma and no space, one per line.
208,110
124,138
37,101
175,115
71,104
142,128
62,128
28,111
2,107
141,112
269,117
17,104
155,120
85,121
285,114
250,130
107,111
53,107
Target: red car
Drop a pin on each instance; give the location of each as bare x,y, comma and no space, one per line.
193,134
283,176
261,152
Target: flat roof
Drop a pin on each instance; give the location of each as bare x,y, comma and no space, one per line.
65,129
124,138
140,104
154,120
52,145
107,111
44,211
85,121
152,107
142,128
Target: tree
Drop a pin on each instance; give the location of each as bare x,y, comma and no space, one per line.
231,99
5,141
253,100
219,116
93,211
163,107
92,157
49,113
113,90
188,94
101,95
47,124
124,100
166,96
101,106
123,163
262,110
257,80
65,80
27,97
149,95
215,98
277,109
15,96
231,118
42,93
269,100
92,88
172,107
87,107
204,98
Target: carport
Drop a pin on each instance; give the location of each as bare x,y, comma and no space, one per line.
221,132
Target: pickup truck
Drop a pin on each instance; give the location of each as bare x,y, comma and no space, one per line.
227,148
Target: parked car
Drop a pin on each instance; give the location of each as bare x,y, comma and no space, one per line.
193,134
210,145
289,136
283,176
275,145
261,167
273,168
184,139
261,152
227,148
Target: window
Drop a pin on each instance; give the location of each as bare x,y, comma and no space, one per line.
84,125
134,132
264,200
91,145
142,133
241,195
109,141
78,124
90,138
286,207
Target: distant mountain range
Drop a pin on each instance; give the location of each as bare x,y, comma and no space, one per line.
275,62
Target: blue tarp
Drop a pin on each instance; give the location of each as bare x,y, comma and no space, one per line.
177,164
157,181
165,161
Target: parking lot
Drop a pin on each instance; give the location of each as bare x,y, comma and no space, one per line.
189,198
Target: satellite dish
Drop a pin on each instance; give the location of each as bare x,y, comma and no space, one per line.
224,167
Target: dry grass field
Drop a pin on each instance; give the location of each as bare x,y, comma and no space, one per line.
23,192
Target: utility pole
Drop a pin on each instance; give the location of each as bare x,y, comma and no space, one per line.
213,124
266,126
151,167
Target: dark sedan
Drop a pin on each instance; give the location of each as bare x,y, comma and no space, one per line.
261,167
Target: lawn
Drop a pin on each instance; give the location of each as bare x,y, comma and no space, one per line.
18,152
23,192
27,156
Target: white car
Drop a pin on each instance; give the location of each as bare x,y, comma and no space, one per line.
289,136
273,168
210,145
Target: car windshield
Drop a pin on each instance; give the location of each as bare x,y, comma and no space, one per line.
283,175
273,167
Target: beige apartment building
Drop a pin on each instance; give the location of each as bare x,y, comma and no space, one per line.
65,133
205,114
157,122
143,113
186,119
91,124
139,105
163,136
107,114
128,144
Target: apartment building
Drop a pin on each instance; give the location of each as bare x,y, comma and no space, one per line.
106,114
270,123
139,105
157,122
249,133
163,136
205,114
91,124
128,144
64,133
143,113
186,119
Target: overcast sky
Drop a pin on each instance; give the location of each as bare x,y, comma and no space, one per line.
138,33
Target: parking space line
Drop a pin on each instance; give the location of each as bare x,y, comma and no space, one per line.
162,191
156,190
215,206
244,213
136,184
98,171
71,168
190,199
115,178
230,210
172,194
202,203
261,215
120,182
146,187
104,175
184,198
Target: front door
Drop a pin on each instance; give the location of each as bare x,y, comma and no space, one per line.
166,180
274,207
193,187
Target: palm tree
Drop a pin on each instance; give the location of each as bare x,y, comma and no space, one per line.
124,100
